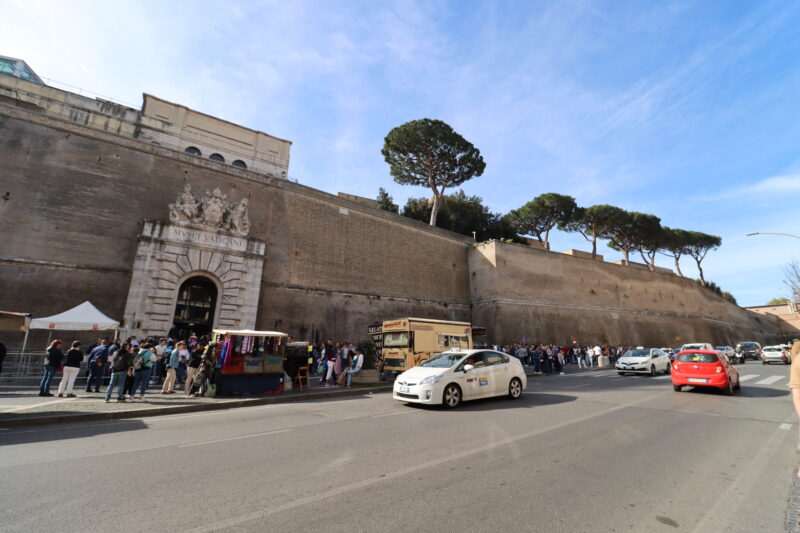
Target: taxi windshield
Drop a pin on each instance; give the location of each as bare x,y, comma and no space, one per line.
697,358
443,360
637,353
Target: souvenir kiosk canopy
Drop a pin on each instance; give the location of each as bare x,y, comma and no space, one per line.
85,317
249,361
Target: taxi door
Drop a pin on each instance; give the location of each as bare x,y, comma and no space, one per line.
499,366
477,382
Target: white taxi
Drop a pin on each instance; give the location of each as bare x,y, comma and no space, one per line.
643,361
455,376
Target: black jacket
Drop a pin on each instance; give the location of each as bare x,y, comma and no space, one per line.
74,358
53,357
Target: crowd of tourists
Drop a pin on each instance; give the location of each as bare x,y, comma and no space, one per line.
336,363
131,367
552,359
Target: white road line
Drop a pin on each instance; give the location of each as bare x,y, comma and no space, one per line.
748,377
214,441
32,406
770,380
394,413
785,426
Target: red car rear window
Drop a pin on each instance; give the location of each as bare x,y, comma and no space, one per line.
692,357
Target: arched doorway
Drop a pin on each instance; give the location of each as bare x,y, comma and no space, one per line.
194,310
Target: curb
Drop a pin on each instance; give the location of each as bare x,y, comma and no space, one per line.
160,411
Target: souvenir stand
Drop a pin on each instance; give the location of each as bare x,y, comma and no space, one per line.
249,362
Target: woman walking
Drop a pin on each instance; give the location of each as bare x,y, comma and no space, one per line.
72,365
52,360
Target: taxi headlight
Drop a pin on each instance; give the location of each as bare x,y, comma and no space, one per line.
430,380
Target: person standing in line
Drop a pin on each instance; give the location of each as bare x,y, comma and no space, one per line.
129,380
180,373
52,360
161,352
356,363
596,353
120,369
333,356
580,353
97,360
142,366
521,353
323,363
2,356
72,366
193,366
560,360
172,368
113,347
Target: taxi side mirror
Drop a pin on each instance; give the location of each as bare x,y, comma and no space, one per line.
467,368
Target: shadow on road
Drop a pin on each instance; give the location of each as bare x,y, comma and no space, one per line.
31,434
745,392
527,400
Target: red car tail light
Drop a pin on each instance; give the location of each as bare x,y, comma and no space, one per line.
719,369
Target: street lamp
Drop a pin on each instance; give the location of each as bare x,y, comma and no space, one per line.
768,233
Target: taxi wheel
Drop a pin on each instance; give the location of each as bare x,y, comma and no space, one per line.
515,388
452,396
652,370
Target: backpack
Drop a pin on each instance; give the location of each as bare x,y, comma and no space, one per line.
120,361
138,362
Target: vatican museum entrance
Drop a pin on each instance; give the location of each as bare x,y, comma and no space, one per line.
194,310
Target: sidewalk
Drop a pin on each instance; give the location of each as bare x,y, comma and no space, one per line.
20,404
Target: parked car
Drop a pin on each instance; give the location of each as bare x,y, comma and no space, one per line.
779,353
696,346
704,368
749,350
455,376
731,353
643,361
670,352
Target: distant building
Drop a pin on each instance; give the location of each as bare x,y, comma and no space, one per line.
19,69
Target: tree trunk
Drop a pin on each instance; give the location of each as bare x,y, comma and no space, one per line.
547,240
594,246
625,257
700,269
437,203
678,266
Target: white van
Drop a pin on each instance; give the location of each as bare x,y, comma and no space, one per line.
698,346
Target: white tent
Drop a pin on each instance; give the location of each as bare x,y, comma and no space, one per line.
84,317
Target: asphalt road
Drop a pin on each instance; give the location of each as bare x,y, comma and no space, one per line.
588,452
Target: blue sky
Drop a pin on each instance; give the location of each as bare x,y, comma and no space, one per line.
689,111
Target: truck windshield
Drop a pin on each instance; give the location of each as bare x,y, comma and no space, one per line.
397,339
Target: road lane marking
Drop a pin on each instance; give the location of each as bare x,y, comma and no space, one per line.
748,377
785,426
770,380
393,414
214,441
33,406
405,472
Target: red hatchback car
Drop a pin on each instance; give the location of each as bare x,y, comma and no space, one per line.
704,368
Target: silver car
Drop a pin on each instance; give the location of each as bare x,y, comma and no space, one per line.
779,353
733,357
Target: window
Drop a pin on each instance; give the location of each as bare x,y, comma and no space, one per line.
475,360
192,150
239,163
395,340
217,157
494,358
697,358
444,340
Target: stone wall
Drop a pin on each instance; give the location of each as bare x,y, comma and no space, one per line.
77,200
521,293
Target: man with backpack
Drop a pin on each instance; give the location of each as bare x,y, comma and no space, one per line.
121,367
98,358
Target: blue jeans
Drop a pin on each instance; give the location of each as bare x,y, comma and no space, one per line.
140,380
118,379
49,372
96,377
350,374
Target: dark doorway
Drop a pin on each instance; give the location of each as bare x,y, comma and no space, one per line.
194,311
